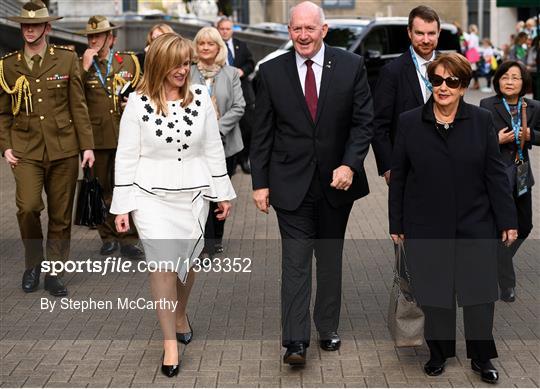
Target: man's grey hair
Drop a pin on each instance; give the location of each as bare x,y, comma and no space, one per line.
223,19
321,12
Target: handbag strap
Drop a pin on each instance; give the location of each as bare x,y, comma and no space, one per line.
400,251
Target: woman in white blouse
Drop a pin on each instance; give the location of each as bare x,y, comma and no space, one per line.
169,165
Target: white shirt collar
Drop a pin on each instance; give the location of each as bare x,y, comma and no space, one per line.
318,58
421,60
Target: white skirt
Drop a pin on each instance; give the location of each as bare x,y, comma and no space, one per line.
171,228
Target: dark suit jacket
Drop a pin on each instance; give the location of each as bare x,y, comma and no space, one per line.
397,90
501,119
243,59
450,198
288,147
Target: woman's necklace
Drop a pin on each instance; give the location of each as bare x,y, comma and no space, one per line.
446,120
446,125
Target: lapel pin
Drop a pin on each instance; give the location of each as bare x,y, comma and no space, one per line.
328,65
51,50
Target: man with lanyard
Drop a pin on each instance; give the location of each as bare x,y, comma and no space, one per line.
105,72
403,85
44,125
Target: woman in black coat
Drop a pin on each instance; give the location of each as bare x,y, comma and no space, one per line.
450,202
511,82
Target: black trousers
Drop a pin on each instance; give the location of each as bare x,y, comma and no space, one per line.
214,228
505,255
440,331
315,226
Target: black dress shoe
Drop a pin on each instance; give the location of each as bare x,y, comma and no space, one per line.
185,337
218,248
30,279
508,295
434,368
329,341
109,247
55,286
487,371
245,166
295,354
131,251
169,370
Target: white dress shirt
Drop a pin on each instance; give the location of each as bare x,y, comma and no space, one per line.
318,62
423,64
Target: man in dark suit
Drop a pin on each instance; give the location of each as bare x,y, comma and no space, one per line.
403,84
312,132
239,56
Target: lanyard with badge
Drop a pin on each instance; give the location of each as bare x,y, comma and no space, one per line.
426,81
522,166
100,75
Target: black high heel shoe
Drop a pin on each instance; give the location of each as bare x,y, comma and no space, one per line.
185,337
169,370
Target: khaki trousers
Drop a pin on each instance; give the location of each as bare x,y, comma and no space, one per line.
59,179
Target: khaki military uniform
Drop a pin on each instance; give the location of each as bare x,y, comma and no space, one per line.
44,119
105,112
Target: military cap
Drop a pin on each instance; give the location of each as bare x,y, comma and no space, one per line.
34,12
97,24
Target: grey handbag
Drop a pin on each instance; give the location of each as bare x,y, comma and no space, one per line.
405,318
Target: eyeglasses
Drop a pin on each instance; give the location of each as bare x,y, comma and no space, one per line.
512,79
451,82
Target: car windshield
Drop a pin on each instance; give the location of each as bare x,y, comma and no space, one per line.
342,36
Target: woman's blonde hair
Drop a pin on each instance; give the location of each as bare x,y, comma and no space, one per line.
212,34
166,53
164,28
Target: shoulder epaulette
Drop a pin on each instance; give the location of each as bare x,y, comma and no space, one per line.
9,54
62,47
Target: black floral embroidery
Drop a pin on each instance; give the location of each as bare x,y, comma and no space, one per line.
188,110
188,120
170,125
148,108
169,139
198,91
145,118
144,98
188,132
185,146
159,132
158,121
198,103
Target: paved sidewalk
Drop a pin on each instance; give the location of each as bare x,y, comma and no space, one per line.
235,316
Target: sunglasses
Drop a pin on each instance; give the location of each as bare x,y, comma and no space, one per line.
451,82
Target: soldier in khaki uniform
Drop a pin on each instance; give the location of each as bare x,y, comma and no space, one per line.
105,72
44,125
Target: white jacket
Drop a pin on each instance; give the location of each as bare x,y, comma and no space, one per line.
166,154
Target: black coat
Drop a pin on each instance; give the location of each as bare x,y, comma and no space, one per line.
451,199
397,90
243,59
288,146
501,119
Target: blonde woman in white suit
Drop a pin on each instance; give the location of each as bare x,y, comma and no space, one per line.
169,165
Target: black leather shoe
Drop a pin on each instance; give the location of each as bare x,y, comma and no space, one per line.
109,247
55,286
295,354
245,166
218,248
329,341
131,251
434,368
169,370
30,279
185,337
487,371
508,295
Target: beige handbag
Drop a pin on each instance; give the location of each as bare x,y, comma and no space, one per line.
405,318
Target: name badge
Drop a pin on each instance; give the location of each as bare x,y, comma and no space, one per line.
522,178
